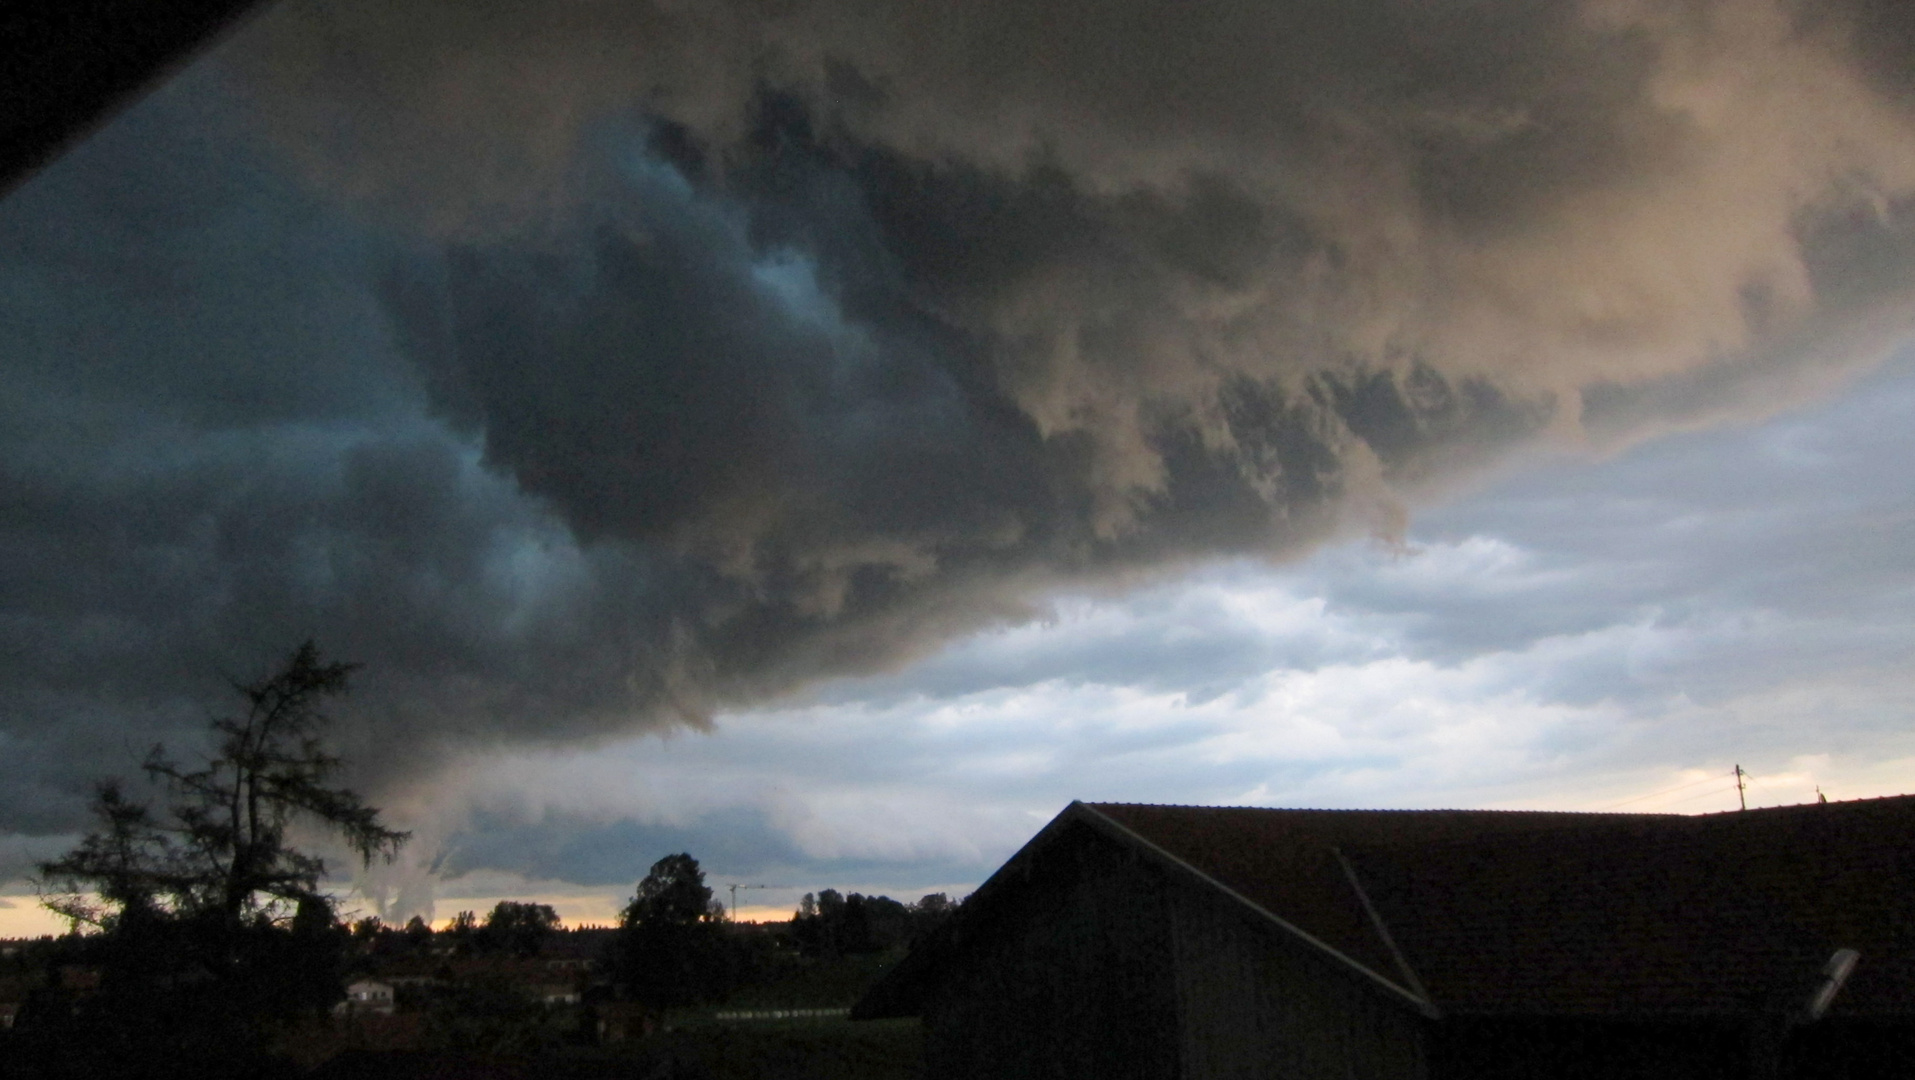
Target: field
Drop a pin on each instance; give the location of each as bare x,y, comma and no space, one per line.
759,1050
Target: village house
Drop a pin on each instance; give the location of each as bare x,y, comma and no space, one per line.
557,993
366,997
1197,943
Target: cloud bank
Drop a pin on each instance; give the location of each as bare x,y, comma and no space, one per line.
589,366
1726,597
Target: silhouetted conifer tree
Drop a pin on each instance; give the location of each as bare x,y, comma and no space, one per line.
211,926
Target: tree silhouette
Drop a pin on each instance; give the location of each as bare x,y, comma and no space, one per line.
830,925
673,893
671,949
223,850
518,928
213,925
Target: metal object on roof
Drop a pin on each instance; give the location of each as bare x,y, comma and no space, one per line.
1834,974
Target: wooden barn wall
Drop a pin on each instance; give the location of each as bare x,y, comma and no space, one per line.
1513,1048
1257,1004
1486,1048
1072,981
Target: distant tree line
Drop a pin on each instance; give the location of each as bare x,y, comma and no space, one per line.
674,949
832,925
520,929
511,928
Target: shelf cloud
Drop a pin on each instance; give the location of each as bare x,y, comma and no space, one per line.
594,365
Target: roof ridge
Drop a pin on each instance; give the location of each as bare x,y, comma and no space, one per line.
1504,810
1399,810
1804,806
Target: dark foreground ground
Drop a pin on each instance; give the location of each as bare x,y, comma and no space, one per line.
828,1050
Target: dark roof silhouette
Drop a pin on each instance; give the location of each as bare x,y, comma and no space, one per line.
66,66
1475,912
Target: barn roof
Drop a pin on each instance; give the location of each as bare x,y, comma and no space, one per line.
1470,912
67,65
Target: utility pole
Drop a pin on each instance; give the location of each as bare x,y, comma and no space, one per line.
1740,785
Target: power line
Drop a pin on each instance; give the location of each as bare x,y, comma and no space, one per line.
1705,794
1666,791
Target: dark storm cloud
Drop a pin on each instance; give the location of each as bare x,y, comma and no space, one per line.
837,466
1612,217
588,366
1078,296
211,450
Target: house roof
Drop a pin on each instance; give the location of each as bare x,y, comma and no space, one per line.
67,65
1477,912
1724,914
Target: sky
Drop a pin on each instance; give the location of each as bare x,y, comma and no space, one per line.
829,437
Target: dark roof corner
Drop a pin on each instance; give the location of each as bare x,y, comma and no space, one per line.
67,66
900,992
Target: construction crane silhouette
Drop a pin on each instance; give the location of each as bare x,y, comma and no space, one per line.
731,913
